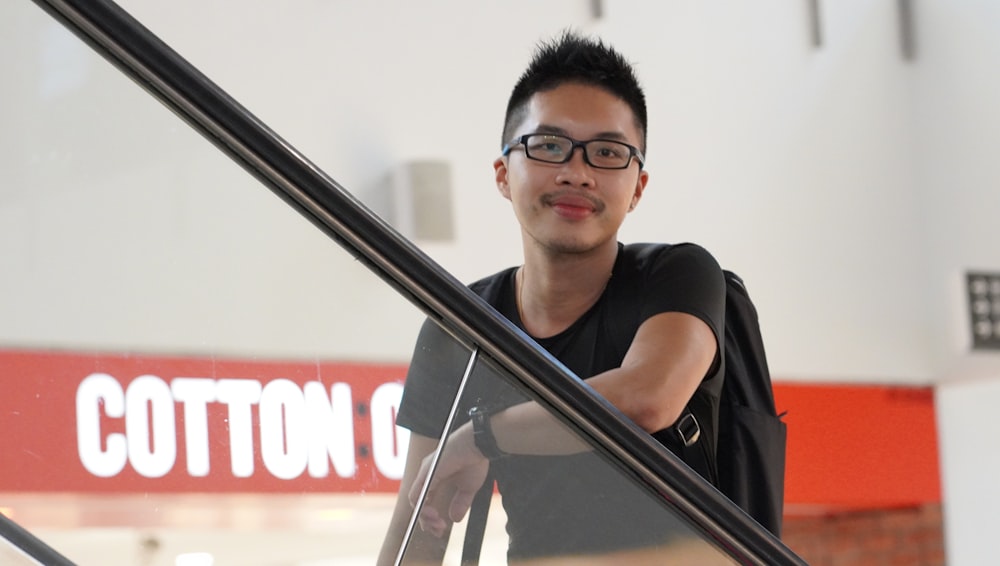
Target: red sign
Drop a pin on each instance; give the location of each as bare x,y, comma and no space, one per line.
103,423
859,446
128,423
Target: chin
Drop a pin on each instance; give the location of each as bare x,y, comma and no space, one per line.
571,246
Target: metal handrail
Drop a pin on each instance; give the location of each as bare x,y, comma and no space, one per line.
139,54
30,544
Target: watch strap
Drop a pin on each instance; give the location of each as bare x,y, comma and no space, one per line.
482,433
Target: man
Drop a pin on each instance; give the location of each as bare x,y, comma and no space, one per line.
571,165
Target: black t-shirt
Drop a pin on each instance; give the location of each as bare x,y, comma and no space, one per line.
578,504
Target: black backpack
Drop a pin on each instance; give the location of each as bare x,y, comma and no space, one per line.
750,455
748,465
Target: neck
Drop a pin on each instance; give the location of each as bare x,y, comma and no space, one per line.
554,290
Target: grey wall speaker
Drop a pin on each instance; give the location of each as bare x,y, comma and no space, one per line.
421,207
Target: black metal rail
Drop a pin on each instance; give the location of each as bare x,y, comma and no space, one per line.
30,544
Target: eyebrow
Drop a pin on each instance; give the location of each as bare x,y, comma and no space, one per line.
547,129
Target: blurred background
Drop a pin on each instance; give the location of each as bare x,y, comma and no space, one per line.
838,155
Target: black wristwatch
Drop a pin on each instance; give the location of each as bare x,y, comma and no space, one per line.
482,433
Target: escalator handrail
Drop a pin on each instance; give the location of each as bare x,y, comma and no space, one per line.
30,544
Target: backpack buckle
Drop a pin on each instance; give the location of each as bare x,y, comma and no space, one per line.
688,429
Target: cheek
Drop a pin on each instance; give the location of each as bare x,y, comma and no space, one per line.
519,188
627,201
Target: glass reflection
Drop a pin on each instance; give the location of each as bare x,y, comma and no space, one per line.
12,556
190,365
564,502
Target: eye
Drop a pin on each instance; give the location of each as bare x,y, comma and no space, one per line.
547,146
610,154
611,151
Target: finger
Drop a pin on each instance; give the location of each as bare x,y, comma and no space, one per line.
431,522
417,486
460,504
414,494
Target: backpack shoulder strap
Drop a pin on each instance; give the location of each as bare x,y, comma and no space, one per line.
475,530
685,437
624,286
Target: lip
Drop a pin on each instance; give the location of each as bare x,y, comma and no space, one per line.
574,206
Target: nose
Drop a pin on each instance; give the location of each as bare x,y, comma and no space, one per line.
581,151
577,171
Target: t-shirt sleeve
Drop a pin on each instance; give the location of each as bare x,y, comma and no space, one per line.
437,367
685,278
432,380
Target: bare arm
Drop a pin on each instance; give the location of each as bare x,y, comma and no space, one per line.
670,355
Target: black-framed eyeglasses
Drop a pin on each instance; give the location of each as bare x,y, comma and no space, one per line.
554,148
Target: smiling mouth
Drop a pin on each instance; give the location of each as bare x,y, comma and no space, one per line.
573,205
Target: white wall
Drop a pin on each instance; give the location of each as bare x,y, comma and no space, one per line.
955,88
791,163
968,430
794,165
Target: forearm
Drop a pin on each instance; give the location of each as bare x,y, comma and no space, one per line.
530,429
667,361
423,548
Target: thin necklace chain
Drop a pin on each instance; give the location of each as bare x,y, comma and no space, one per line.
519,294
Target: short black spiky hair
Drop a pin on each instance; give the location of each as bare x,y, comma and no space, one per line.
573,58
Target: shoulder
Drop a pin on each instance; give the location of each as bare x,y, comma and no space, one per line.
490,287
671,277
647,257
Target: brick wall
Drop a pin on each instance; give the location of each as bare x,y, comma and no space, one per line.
911,536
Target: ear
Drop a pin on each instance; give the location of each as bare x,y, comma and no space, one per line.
500,173
640,186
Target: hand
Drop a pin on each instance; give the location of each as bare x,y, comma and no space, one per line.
460,473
